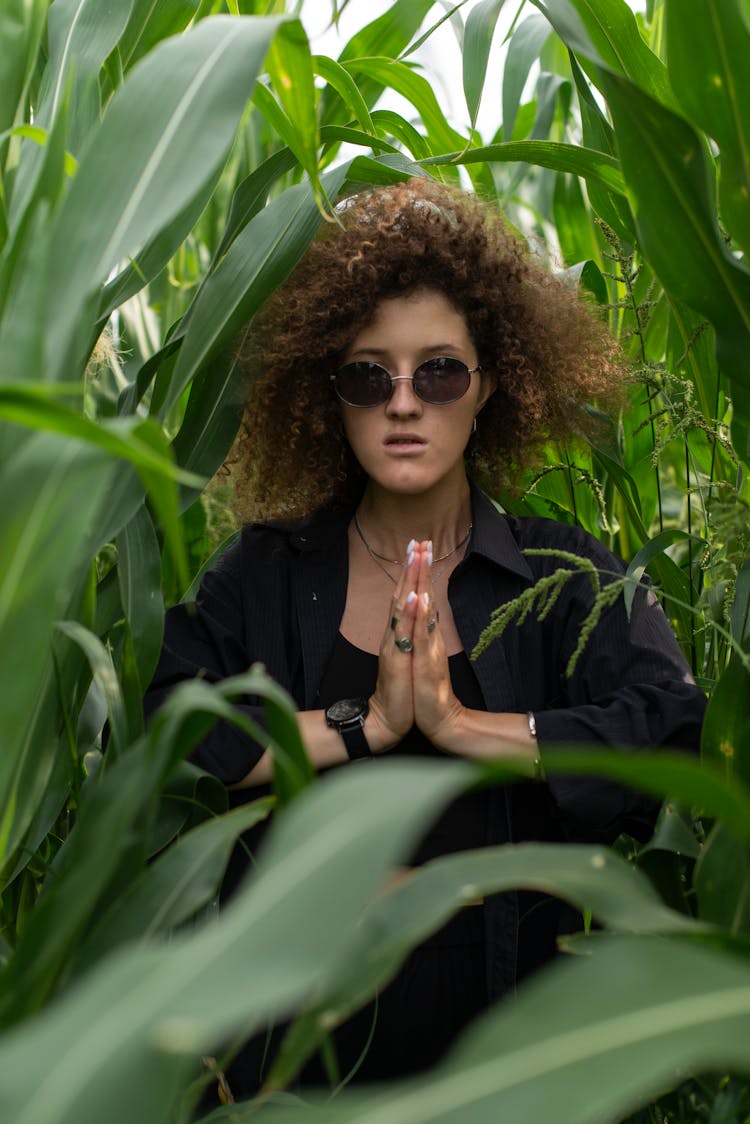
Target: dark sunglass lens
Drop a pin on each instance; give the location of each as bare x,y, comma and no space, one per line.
363,384
443,380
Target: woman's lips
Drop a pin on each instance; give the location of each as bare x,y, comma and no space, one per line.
404,441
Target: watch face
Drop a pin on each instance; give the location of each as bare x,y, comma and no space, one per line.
345,709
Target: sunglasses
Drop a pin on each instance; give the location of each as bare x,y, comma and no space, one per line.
437,381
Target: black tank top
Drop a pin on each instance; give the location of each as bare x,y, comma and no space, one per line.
351,673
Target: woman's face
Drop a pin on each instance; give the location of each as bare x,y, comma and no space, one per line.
406,445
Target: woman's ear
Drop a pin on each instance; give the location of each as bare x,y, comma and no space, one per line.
487,387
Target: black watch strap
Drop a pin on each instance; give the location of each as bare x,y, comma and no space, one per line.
356,742
348,717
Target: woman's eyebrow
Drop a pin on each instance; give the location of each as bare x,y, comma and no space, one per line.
427,348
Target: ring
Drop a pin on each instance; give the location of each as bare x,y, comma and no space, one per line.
431,624
404,644
394,622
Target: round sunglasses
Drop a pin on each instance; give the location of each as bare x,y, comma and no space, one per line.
438,381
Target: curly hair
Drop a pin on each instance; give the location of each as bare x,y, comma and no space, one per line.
547,353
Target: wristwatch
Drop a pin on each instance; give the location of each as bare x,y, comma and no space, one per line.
348,717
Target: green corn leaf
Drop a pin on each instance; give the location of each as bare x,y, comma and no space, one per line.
212,416
478,34
669,184
390,33
150,23
139,574
57,733
416,89
3,216
49,495
321,863
573,223
650,550
81,34
590,878
331,136
740,611
23,299
279,122
584,162
386,36
597,131
181,110
105,677
252,194
290,68
389,168
395,125
133,439
191,592
38,818
155,256
715,95
451,12
606,32
596,1036
725,738
259,258
588,276
38,184
691,347
722,875
40,136
292,772
524,49
673,583
126,792
21,25
666,774
342,82
189,798
610,206
173,888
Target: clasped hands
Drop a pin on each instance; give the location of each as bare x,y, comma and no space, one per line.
414,685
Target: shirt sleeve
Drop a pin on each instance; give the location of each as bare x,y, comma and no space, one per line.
206,640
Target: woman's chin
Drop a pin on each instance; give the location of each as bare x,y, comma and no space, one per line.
409,480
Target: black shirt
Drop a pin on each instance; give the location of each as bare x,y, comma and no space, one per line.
278,594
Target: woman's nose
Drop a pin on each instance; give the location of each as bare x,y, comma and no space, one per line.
403,399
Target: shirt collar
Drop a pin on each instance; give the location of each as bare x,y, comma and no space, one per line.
492,537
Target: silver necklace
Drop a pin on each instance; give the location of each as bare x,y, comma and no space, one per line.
378,559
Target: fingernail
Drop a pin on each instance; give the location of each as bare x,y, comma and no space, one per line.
429,553
411,598
426,600
409,557
410,547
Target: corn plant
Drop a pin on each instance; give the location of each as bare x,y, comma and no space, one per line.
162,168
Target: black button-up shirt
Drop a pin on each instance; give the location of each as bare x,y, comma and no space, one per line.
278,594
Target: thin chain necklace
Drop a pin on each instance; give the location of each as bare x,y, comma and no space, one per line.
378,559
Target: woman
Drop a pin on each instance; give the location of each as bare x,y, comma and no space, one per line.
416,351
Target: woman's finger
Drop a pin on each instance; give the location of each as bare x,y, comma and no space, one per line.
400,630
425,611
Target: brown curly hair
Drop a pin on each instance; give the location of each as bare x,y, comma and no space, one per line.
544,349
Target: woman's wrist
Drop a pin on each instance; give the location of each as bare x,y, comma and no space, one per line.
453,732
380,736
485,736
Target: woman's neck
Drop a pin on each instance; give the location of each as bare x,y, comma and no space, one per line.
390,520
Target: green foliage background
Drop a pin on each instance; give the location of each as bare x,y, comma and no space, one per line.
162,168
